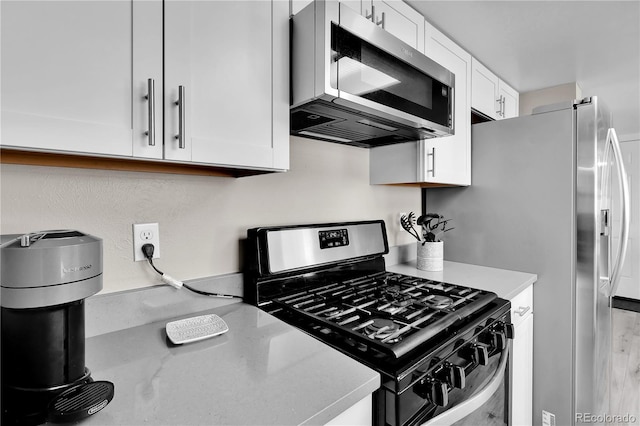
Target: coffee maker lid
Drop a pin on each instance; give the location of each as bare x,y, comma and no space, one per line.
49,267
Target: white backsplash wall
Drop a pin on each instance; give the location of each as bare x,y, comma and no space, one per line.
202,219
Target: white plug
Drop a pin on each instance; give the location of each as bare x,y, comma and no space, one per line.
171,281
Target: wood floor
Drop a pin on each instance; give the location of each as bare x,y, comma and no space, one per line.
625,380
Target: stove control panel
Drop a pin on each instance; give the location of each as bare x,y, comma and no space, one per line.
333,238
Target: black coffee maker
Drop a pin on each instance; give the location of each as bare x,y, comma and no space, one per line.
44,279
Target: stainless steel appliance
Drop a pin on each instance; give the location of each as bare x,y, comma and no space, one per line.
441,349
540,202
354,83
44,280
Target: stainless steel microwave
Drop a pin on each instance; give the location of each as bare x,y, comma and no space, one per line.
353,82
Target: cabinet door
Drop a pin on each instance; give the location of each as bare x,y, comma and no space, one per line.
522,402
522,358
231,60
67,76
401,20
484,90
147,65
395,16
511,100
448,160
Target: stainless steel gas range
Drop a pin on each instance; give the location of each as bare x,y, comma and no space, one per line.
441,349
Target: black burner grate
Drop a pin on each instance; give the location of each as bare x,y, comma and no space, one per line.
393,313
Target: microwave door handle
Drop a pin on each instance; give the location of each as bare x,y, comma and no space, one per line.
462,410
623,185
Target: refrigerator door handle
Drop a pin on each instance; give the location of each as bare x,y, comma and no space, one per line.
623,186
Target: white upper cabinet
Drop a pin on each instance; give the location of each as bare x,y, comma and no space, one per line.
229,59
89,77
490,95
484,92
399,19
147,79
69,80
394,16
448,160
437,161
510,100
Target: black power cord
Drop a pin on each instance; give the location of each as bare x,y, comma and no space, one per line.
148,249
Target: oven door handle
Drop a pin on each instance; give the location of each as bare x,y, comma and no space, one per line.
467,407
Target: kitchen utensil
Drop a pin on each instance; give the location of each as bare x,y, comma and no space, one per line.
405,221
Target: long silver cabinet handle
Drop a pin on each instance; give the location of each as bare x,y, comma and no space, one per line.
612,138
381,21
500,110
151,108
433,162
181,118
523,310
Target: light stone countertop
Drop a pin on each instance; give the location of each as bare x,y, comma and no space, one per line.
261,372
506,284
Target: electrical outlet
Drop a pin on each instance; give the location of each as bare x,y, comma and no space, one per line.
145,233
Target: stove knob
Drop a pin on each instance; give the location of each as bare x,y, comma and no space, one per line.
509,329
435,391
480,354
457,376
499,340
505,327
439,394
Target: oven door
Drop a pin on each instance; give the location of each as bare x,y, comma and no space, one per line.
377,73
484,400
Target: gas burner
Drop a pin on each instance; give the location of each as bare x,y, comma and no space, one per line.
394,296
381,328
402,302
392,291
441,302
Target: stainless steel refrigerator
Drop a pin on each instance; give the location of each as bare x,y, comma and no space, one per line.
540,202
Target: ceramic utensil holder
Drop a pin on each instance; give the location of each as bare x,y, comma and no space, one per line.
430,256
